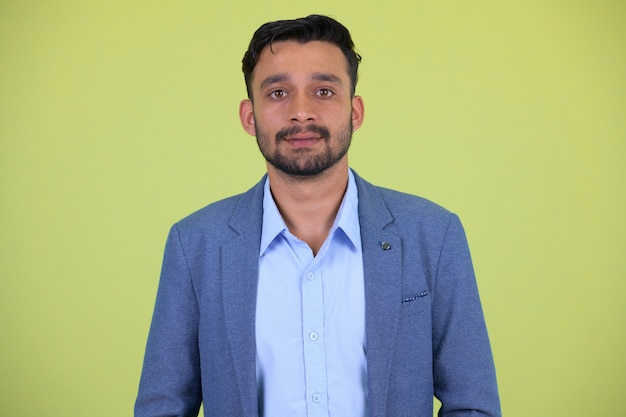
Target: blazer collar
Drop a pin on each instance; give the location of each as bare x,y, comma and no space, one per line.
382,266
240,269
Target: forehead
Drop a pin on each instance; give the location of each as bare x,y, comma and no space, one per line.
292,57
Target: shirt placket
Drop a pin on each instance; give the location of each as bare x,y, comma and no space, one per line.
313,342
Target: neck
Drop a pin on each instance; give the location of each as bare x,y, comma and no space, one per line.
309,205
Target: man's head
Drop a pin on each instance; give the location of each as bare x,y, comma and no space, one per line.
302,30
301,107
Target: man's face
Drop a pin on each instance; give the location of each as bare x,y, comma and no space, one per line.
302,113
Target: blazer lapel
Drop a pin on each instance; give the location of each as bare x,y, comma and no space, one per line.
239,288
382,264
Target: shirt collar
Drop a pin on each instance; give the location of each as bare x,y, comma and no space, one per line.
347,218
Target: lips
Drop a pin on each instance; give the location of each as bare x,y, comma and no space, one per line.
299,136
303,140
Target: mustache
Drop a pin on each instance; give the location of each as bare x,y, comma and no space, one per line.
294,130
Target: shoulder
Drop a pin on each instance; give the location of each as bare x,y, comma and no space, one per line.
402,209
401,202
229,214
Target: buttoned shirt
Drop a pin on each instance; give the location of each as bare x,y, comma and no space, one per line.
310,318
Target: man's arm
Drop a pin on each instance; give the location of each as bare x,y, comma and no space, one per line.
170,380
464,373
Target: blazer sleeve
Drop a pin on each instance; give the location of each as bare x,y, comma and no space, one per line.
464,372
170,380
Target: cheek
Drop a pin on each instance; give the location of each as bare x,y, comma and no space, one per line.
268,120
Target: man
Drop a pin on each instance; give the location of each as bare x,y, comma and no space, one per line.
315,293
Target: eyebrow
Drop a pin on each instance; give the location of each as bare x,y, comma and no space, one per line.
317,76
273,79
322,76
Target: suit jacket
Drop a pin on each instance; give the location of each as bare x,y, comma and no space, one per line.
425,332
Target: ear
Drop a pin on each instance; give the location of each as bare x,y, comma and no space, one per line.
358,112
246,116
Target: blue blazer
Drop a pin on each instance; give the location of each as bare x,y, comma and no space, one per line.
425,332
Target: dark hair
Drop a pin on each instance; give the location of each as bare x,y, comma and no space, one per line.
305,29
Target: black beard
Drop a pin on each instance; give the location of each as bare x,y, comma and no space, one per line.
304,165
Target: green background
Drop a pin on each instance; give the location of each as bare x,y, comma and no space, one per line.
118,118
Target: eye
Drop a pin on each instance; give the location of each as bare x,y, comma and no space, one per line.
277,94
325,92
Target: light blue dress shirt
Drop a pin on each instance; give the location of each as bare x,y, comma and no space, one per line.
310,318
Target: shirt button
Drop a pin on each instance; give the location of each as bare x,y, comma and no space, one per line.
316,398
310,276
314,336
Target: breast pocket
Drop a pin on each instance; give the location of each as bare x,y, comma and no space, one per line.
414,304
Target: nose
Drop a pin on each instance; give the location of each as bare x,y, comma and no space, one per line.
303,109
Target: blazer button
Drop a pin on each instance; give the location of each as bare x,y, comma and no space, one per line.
385,245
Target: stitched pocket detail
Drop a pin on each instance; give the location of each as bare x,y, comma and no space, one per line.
415,297
414,304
